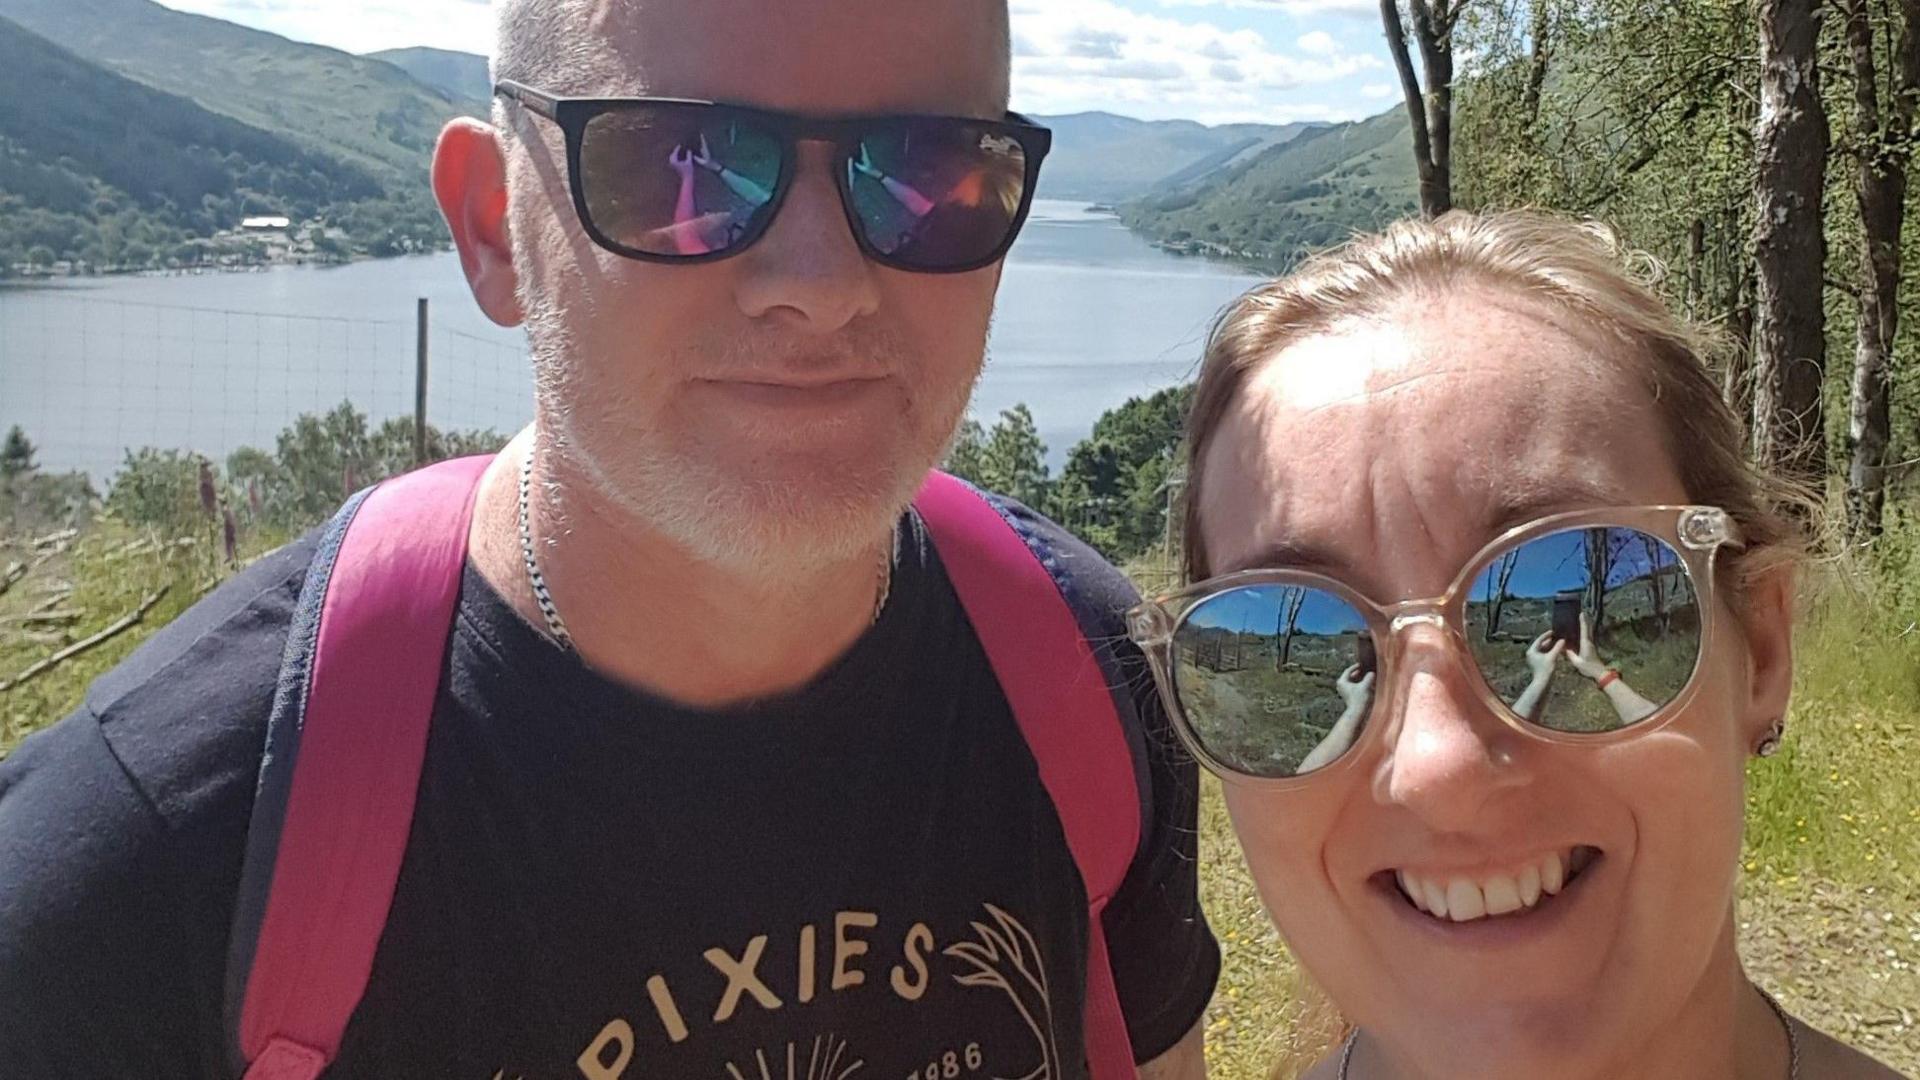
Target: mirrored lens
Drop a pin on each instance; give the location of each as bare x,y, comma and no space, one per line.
937,194
1585,630
1275,680
678,179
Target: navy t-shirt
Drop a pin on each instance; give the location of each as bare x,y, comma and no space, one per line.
865,878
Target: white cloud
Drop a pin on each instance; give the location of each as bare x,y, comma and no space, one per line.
1146,58
1378,90
1350,8
1318,42
1101,54
363,26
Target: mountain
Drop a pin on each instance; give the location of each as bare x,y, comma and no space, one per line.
1100,157
98,167
85,125
462,76
1275,205
364,111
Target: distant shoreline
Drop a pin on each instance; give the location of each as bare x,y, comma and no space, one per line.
55,281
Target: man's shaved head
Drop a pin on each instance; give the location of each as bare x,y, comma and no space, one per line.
549,43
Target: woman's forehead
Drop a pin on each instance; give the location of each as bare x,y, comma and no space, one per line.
1446,426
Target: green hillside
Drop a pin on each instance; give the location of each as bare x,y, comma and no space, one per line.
1100,157
364,111
462,76
97,167
1289,199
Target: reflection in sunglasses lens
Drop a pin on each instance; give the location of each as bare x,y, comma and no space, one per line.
936,194
1585,630
1274,680
677,179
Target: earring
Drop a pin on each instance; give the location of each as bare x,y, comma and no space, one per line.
1770,745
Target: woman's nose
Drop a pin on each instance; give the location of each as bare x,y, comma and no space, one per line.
1448,755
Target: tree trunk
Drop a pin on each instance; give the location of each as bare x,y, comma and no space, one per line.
1881,189
1497,602
1789,341
1600,556
1737,306
1290,609
1696,255
1430,114
1656,583
1537,64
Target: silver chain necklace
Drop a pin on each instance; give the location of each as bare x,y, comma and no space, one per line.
544,598
540,594
1786,1024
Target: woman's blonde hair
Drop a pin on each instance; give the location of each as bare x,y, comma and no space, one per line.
1576,268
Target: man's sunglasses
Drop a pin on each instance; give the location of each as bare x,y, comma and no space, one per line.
1579,627
675,181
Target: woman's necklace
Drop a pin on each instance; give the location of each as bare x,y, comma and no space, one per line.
1786,1024
544,598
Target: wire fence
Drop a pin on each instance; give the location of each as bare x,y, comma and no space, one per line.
90,379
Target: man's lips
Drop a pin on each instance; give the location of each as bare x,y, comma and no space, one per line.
797,391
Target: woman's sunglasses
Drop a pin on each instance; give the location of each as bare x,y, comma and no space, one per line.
674,181
1580,627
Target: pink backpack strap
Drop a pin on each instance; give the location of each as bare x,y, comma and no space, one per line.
1061,699
342,766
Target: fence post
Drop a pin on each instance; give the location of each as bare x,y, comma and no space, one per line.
420,391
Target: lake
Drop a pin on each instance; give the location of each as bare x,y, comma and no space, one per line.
1089,315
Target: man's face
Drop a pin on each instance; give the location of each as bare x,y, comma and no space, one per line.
779,406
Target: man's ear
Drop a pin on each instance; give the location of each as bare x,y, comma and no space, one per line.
1767,629
470,182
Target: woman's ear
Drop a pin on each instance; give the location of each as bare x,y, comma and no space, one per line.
470,183
1767,629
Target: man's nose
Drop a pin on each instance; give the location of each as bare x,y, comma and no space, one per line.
808,272
1448,754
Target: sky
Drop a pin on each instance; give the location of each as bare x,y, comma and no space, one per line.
1216,61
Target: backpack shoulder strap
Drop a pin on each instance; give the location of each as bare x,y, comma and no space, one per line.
1065,709
341,768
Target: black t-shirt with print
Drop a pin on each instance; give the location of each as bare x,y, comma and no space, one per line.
865,879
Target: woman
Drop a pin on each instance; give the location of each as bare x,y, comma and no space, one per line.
1490,613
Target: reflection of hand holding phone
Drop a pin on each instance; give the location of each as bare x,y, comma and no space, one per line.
1364,655
1566,620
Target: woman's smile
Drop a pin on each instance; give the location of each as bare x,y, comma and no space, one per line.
1518,888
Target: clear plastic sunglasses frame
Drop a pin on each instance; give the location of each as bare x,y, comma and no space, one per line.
1695,533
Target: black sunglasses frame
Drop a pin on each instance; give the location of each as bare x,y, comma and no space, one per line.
573,114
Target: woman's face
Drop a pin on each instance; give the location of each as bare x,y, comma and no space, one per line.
1399,448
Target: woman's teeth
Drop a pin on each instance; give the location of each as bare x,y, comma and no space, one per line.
1464,899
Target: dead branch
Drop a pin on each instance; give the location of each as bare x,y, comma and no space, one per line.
61,593
35,618
15,571
71,651
58,538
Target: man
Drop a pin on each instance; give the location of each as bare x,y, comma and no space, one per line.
718,772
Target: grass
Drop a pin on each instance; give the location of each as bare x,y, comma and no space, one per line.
105,575
1830,906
